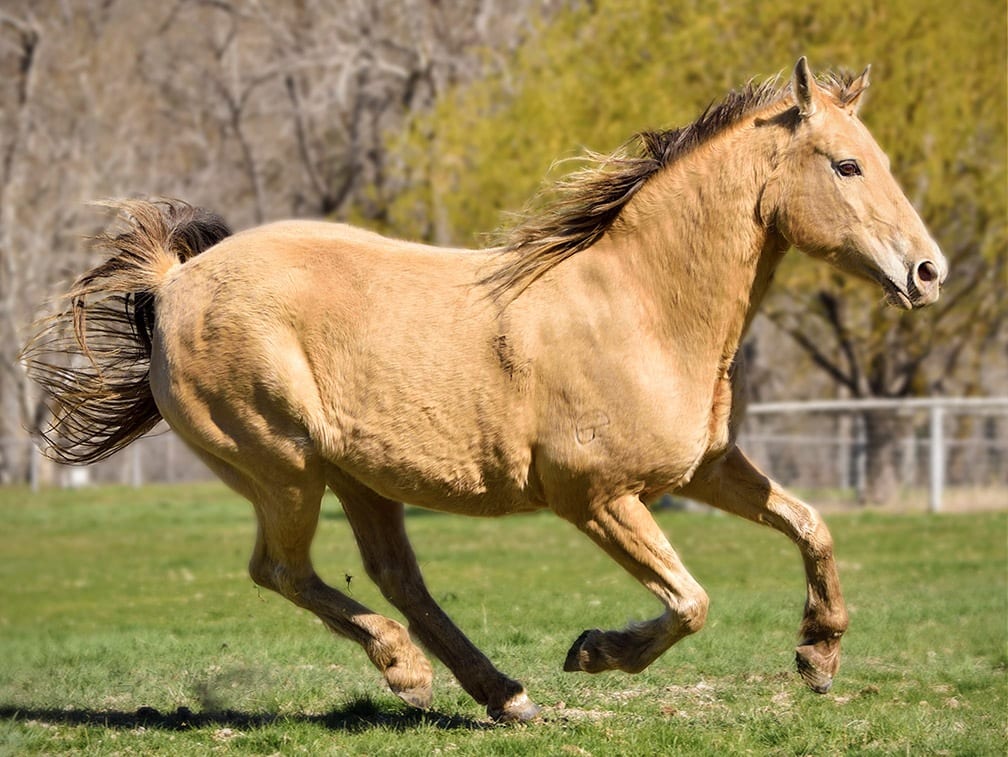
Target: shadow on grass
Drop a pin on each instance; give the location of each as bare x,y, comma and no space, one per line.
356,716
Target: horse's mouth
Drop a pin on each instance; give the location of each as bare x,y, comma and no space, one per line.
897,297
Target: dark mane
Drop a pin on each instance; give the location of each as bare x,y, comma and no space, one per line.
583,205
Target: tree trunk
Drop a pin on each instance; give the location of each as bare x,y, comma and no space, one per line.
884,431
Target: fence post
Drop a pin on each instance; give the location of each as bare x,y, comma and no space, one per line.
136,466
937,478
33,466
860,458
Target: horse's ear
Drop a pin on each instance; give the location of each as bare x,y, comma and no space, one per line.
855,99
805,89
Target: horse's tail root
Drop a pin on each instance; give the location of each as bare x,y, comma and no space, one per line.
92,358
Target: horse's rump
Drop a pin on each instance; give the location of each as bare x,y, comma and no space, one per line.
377,354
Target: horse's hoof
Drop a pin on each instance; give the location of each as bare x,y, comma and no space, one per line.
576,655
419,697
596,651
818,663
518,709
816,680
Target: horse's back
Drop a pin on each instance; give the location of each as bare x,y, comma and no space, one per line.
376,355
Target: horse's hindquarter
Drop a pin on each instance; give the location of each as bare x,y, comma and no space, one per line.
375,354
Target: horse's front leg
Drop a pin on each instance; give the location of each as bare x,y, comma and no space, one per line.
624,528
734,484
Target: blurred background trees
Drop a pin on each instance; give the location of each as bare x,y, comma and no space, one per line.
609,68
429,120
259,110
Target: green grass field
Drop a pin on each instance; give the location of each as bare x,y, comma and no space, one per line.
128,625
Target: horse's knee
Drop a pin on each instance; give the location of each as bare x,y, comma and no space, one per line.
819,543
804,525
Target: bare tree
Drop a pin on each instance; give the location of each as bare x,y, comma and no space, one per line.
19,37
259,109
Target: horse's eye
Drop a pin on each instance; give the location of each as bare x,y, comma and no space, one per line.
847,168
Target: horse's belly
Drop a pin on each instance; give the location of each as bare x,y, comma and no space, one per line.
443,436
436,474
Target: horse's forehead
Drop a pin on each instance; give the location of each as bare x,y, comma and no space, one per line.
843,129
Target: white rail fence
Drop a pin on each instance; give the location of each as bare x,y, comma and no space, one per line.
820,448
972,430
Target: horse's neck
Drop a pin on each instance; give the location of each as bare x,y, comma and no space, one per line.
694,238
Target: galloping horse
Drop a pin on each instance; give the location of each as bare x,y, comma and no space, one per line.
588,365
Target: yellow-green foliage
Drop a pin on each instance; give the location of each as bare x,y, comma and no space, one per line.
593,76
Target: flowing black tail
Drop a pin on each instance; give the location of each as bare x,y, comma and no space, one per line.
92,359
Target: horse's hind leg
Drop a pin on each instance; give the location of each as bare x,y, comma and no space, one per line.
734,484
624,528
379,527
287,508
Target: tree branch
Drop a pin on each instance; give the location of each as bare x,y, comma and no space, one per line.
831,310
304,149
820,359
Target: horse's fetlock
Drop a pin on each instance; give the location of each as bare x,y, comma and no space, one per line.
839,622
824,626
693,611
517,708
390,643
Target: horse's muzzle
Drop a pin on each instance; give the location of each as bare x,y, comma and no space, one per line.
924,282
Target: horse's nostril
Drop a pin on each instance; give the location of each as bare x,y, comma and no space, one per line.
927,272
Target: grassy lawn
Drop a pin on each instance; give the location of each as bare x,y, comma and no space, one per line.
128,625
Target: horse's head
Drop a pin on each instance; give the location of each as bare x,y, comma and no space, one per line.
833,196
